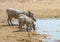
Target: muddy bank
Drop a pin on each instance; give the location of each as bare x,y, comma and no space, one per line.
11,34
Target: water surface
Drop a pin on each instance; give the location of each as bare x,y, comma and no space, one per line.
50,27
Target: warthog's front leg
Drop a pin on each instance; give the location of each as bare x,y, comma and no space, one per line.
29,28
20,25
34,27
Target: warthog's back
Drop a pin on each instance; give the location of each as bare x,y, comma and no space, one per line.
25,18
13,11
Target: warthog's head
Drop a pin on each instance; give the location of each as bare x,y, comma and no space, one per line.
31,15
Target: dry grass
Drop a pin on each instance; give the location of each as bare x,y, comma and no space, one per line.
40,8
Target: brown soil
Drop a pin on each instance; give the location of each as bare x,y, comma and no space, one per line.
12,34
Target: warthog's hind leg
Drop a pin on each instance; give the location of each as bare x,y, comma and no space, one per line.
20,26
9,21
29,28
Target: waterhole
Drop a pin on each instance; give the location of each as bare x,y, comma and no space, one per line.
49,27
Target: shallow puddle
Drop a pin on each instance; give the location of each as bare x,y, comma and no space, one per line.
49,27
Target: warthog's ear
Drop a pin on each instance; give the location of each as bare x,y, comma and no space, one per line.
30,14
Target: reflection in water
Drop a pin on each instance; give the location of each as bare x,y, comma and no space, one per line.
48,26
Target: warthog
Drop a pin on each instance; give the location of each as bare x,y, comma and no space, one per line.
12,13
23,19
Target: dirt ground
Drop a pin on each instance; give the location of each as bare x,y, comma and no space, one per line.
40,8
12,34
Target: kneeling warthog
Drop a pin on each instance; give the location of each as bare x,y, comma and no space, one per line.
23,19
